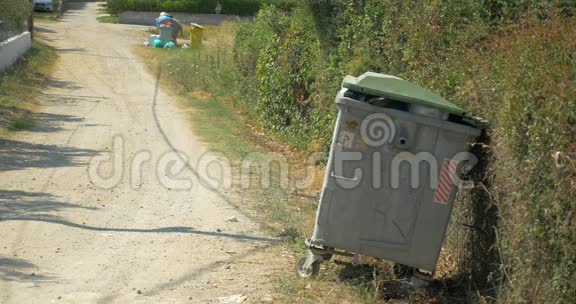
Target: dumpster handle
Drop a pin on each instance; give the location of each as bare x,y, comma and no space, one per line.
344,178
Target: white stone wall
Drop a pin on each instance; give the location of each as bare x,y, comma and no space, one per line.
14,48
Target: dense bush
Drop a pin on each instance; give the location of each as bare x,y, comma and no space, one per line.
283,76
534,84
229,7
510,61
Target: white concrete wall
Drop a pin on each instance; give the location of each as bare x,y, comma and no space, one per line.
147,18
14,48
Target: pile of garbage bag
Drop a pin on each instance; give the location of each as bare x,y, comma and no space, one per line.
168,29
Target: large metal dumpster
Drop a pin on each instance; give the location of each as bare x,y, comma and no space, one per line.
392,175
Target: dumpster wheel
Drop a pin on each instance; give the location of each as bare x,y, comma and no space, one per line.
309,272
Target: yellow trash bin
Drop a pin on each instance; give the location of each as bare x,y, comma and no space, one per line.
196,32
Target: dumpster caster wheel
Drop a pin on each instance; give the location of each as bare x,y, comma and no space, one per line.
420,280
403,271
310,272
327,257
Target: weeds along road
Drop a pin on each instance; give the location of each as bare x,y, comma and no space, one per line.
92,206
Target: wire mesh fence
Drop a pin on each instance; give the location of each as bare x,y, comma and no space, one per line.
7,30
471,254
14,16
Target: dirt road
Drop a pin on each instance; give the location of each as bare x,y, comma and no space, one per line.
92,206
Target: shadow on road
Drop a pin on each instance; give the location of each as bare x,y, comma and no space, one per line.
83,52
49,122
39,28
18,155
189,166
44,207
33,204
176,229
71,50
62,84
12,269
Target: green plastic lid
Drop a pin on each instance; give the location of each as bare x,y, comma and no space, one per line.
402,90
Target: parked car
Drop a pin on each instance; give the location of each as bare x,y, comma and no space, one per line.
43,5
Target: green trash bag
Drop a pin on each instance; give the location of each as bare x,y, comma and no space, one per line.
158,43
169,45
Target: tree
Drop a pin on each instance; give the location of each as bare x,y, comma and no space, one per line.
31,19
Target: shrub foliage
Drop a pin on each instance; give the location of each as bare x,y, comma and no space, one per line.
229,7
510,61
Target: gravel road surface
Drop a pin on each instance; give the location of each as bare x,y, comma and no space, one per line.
96,206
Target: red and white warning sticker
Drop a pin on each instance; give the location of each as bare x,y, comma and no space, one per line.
446,181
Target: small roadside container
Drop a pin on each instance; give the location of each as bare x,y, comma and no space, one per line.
196,34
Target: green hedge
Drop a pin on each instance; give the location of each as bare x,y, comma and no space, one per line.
510,61
229,7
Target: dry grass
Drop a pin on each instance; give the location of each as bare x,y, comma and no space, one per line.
520,235
538,119
20,86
